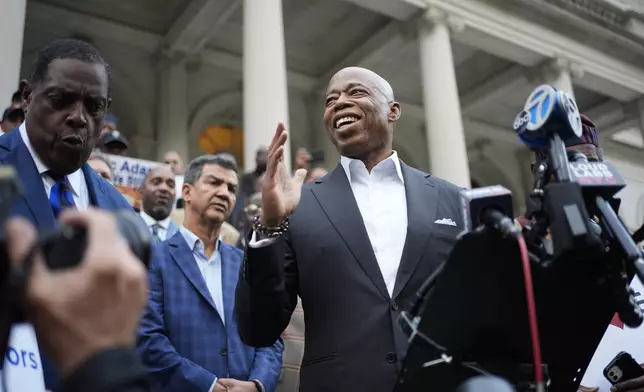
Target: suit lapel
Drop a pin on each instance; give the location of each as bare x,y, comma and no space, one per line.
336,199
172,230
182,255
422,206
35,195
94,189
229,272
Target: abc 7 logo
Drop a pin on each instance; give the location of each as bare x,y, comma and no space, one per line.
521,120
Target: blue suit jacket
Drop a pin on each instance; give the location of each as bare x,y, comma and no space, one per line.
35,207
172,230
183,341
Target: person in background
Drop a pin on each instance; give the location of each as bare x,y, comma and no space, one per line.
158,195
302,159
175,161
12,117
16,99
316,173
66,99
101,165
109,124
249,183
114,143
188,338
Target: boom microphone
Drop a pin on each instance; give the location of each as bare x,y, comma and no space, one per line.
489,206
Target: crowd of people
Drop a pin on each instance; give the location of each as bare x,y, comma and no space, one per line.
223,310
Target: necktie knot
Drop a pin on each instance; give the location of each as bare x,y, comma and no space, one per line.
156,229
61,195
57,177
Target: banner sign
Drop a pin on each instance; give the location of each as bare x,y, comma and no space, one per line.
22,361
130,172
617,337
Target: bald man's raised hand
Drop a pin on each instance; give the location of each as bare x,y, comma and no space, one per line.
280,191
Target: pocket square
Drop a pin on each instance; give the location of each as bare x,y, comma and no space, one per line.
445,221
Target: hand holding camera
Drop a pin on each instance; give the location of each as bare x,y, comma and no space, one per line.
78,312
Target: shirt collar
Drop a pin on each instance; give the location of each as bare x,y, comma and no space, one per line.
391,163
192,240
74,178
165,223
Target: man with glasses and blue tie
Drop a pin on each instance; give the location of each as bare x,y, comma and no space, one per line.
158,195
65,102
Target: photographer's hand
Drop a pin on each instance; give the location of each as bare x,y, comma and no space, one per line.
94,306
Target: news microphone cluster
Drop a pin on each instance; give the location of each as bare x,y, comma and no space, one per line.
578,208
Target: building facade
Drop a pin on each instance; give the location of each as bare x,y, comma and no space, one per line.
461,69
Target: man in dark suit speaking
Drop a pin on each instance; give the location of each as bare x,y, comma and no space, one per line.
65,103
354,245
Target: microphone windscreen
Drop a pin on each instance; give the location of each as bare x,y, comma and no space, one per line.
485,384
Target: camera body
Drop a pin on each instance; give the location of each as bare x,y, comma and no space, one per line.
62,247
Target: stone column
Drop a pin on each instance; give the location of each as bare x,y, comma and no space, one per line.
560,73
265,83
172,126
444,123
12,24
640,112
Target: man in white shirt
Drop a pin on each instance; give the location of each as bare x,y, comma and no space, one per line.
158,196
354,245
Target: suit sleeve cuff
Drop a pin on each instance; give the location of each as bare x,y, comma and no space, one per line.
254,243
108,370
213,386
259,385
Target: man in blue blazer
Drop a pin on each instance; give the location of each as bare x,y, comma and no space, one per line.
189,339
65,102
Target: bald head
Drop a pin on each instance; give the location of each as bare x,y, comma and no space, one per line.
360,114
367,77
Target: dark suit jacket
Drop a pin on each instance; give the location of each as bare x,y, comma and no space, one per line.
352,340
35,207
112,370
183,342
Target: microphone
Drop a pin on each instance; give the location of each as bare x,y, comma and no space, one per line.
596,178
550,119
489,206
485,384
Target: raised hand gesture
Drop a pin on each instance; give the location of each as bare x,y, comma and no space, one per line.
280,191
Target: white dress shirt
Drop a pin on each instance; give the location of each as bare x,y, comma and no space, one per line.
164,225
76,179
382,202
210,269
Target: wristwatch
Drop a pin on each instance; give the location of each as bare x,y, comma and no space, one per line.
258,385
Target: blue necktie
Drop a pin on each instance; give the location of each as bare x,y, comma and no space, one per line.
61,195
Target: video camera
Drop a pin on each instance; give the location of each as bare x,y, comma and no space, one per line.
534,309
62,247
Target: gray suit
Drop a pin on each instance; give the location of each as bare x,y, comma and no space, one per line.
353,342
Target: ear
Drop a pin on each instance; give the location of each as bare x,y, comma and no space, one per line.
394,112
185,192
25,92
109,103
